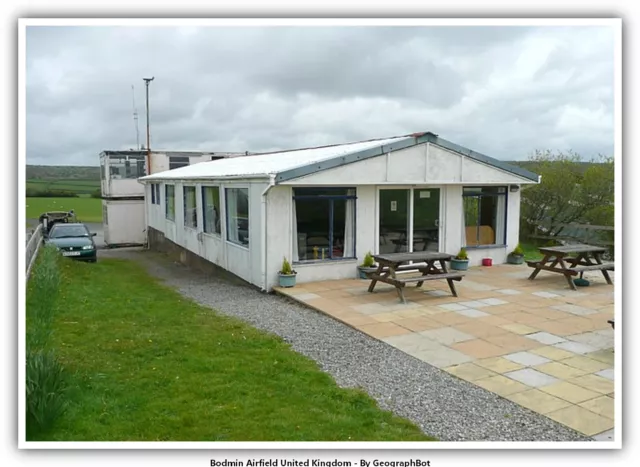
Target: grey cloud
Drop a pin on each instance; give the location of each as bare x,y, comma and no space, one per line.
505,91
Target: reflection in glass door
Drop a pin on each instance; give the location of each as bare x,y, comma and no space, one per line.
426,219
409,220
394,221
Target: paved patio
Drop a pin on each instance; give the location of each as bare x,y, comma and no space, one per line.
536,343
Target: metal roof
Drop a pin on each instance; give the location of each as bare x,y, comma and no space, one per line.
287,165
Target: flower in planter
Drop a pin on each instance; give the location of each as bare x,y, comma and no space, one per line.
462,254
368,261
286,268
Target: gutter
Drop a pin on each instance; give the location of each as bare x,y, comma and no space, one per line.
263,231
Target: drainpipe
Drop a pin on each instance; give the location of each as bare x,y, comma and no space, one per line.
263,232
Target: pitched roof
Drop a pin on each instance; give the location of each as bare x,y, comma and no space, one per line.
286,165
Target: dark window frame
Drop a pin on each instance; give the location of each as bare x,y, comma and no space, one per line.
330,198
493,191
175,162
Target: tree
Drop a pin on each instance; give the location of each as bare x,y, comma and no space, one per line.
571,191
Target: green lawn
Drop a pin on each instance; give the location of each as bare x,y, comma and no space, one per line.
149,365
531,252
77,186
86,209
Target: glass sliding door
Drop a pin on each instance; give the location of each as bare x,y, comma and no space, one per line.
426,219
409,220
394,221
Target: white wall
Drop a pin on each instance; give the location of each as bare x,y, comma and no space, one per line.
243,262
126,222
425,163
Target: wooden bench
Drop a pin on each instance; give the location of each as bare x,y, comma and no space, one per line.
423,263
593,267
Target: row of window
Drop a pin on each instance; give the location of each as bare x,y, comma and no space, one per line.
324,219
237,209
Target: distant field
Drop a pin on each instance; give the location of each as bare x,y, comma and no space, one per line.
77,186
86,209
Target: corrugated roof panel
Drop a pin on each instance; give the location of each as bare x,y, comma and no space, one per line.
266,164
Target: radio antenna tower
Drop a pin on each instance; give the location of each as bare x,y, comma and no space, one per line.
135,117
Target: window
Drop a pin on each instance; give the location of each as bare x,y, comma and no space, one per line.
127,167
484,215
237,201
175,162
189,204
170,202
155,193
323,223
211,209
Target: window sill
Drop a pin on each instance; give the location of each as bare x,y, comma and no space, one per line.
217,236
195,229
173,221
484,247
238,245
324,261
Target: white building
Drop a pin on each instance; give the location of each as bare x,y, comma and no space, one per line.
324,208
123,196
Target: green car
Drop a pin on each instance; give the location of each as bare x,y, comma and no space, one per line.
74,241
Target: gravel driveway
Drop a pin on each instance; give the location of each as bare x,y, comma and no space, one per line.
444,406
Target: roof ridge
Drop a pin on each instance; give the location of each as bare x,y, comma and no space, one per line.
279,151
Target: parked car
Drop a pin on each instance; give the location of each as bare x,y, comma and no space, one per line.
73,240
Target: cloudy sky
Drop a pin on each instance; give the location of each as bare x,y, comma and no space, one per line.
503,91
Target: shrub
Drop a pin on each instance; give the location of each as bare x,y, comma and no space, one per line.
45,391
48,193
96,193
462,254
286,268
518,251
368,261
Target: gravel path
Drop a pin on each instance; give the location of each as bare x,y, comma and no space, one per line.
442,405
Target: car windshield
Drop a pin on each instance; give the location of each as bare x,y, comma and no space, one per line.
63,231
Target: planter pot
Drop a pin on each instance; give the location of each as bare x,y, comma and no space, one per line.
515,259
362,272
487,261
459,264
287,280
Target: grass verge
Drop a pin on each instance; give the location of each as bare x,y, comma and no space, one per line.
46,380
150,365
86,209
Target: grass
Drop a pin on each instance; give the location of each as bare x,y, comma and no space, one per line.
86,209
150,365
531,252
77,186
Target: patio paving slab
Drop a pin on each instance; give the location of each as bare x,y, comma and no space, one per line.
498,364
538,343
603,405
560,370
582,420
526,358
470,371
447,335
570,392
538,401
531,377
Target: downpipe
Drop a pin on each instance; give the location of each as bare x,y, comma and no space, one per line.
263,233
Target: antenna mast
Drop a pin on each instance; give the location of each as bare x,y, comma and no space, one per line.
135,117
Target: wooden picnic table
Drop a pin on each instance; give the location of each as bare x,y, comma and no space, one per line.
390,264
571,260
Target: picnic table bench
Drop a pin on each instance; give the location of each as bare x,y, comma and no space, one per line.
572,260
419,261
